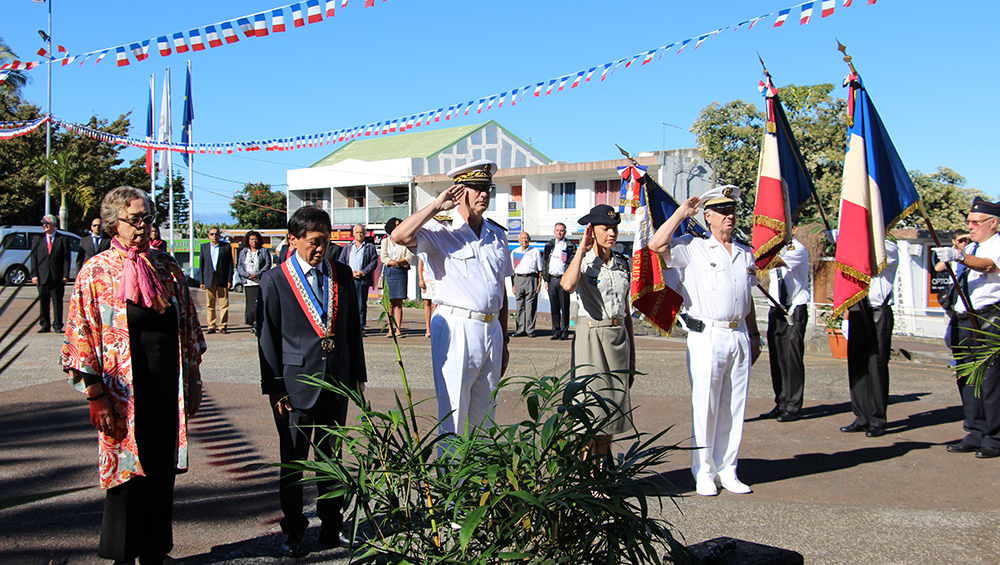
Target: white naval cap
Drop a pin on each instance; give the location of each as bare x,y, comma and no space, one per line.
476,172
721,197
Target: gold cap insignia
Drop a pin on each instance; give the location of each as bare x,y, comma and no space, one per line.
727,192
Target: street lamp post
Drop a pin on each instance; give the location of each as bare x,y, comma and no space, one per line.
48,125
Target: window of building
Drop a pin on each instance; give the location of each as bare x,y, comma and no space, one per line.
493,200
356,197
606,192
563,195
313,198
400,194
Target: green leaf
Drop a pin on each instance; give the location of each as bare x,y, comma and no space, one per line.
470,524
533,406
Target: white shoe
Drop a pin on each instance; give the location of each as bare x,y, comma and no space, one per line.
734,485
706,487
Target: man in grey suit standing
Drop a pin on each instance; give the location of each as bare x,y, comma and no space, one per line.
362,257
308,316
216,278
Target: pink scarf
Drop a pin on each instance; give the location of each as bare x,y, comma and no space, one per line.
139,283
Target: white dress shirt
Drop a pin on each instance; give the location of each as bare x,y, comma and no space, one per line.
795,275
528,262
984,289
714,284
880,288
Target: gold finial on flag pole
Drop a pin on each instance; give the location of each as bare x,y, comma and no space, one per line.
766,72
847,58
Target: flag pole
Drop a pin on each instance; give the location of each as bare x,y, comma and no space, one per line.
149,138
170,166
798,163
759,286
188,128
927,219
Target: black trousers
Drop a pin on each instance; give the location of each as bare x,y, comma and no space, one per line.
252,293
51,294
786,345
868,347
982,413
295,436
361,287
559,306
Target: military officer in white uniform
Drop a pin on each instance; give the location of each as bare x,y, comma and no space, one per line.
469,257
723,341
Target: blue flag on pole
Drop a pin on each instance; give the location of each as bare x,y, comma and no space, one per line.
188,116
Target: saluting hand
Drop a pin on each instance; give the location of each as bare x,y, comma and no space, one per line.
588,239
448,199
690,206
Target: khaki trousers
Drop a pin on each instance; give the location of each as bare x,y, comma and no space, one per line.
219,293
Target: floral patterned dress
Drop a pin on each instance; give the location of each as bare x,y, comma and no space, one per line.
97,342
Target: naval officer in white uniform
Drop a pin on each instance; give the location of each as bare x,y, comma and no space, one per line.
470,258
723,341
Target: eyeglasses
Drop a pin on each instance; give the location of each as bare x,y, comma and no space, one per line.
134,221
724,211
95,225
975,223
44,223
213,233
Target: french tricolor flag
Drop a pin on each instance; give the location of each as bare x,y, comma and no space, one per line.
297,18
807,12
213,37
43,52
330,5
590,73
437,115
489,106
385,128
782,16
704,37
513,96
646,59
179,43
562,83
548,89
450,110
313,13
260,25
479,110
847,3
343,4
163,45
138,52
576,81
468,107
102,55
604,73
68,60
277,20
196,43
538,89
370,3
246,26
683,45
229,33
828,7
502,96
122,57
634,59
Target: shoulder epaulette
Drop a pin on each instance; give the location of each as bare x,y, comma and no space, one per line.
496,224
620,254
442,218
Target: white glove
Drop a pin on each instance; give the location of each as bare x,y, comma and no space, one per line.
947,254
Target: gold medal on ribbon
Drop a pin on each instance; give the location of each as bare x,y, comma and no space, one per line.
328,343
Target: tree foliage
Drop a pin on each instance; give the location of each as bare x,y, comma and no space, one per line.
945,198
256,206
66,174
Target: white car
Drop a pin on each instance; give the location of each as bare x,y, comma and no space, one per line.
15,243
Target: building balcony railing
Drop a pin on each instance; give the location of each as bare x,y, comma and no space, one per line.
382,214
348,216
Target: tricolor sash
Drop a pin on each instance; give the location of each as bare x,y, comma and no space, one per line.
312,305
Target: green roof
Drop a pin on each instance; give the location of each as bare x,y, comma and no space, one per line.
420,145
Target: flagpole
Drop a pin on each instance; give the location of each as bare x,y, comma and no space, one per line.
149,122
170,167
188,128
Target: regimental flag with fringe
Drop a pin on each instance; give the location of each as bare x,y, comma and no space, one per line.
651,295
783,183
877,193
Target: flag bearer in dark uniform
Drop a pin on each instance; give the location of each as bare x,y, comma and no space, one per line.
981,279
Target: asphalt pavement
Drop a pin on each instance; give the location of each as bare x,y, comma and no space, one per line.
833,497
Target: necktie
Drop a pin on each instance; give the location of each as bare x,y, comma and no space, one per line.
783,297
48,243
963,277
97,243
318,287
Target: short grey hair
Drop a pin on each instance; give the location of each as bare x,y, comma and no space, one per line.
50,219
359,225
116,201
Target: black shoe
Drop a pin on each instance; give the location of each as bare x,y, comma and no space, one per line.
787,416
774,413
57,329
854,428
962,447
554,337
47,330
211,330
987,453
875,432
518,334
332,537
291,545
532,334
565,337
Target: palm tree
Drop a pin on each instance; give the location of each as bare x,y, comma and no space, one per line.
16,79
67,176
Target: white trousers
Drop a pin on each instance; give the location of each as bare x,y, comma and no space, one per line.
467,356
718,361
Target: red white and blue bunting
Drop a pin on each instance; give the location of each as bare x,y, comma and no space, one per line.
401,124
10,130
253,25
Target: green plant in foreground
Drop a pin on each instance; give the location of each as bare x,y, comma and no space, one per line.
517,493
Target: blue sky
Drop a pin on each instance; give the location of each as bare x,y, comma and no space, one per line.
931,68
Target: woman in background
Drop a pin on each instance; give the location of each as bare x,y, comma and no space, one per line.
428,289
396,260
253,262
154,239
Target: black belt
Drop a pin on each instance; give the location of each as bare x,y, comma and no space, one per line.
981,313
526,275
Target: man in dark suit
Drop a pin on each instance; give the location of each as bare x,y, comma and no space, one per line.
362,257
49,266
93,243
217,278
308,315
557,254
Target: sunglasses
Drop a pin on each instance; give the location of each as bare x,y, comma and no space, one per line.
963,240
213,233
135,221
47,224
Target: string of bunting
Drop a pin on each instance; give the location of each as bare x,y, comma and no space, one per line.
215,35
10,130
512,96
